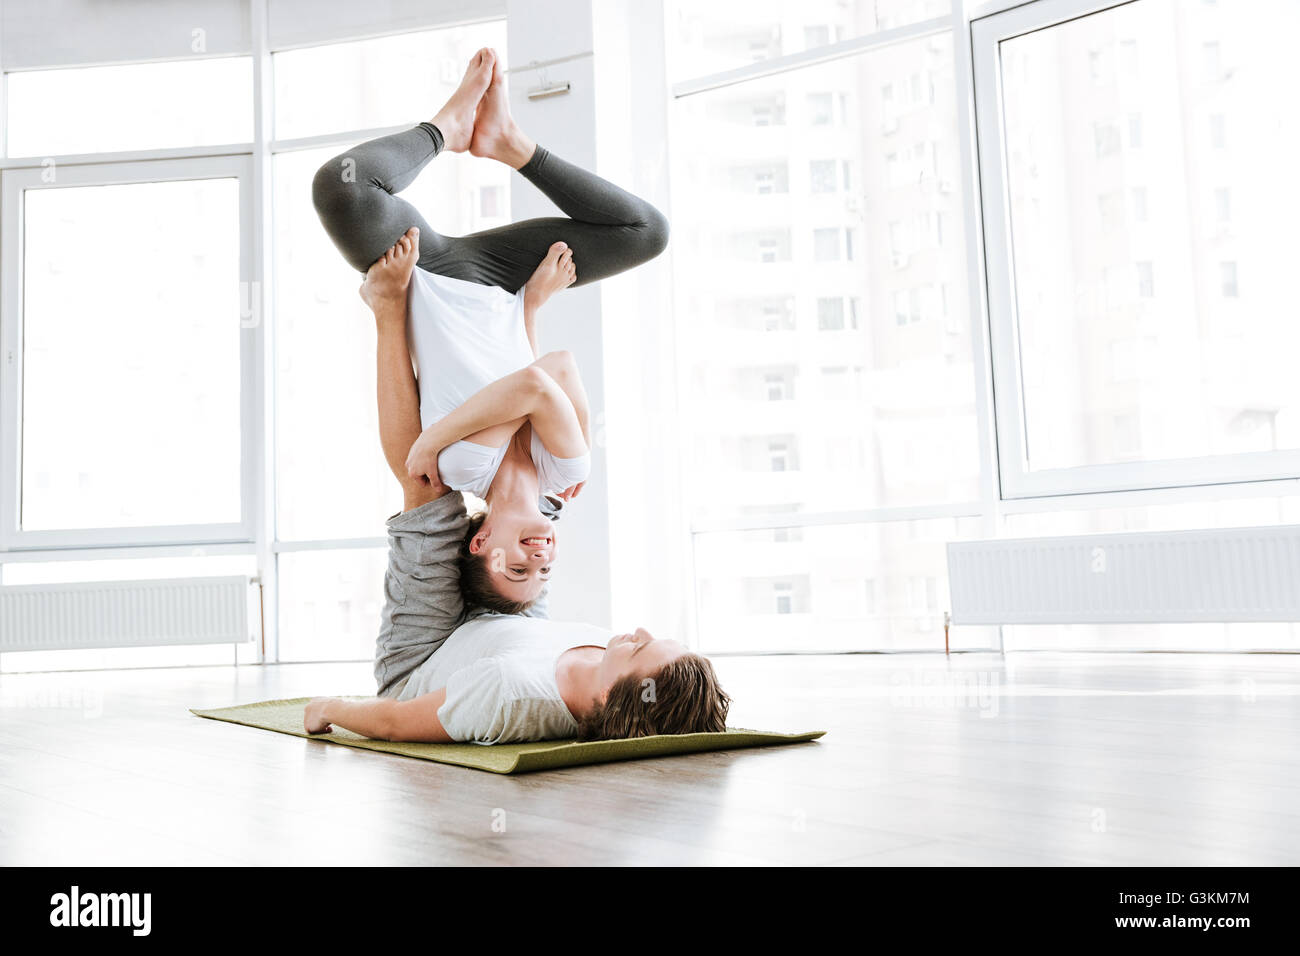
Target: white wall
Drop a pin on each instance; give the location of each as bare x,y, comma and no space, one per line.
566,125
650,544
626,553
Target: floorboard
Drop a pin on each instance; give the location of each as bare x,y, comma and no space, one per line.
1057,759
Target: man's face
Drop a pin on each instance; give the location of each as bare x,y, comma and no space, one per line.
638,654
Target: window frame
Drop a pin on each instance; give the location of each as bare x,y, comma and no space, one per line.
1017,481
15,181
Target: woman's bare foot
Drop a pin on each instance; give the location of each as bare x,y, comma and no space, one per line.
456,118
387,279
495,134
556,272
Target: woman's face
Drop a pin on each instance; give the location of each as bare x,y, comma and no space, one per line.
520,553
638,654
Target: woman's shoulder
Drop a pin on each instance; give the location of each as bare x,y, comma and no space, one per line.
556,474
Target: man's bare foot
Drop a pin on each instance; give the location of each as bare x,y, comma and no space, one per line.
456,118
556,272
495,134
387,279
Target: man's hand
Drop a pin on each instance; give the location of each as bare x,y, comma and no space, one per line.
313,718
387,279
422,460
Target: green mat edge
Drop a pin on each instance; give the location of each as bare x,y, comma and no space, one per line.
534,756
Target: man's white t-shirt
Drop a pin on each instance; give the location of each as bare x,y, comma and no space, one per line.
499,671
465,336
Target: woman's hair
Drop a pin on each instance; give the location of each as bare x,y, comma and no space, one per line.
476,580
683,698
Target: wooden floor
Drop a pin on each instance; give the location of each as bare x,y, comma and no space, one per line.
1035,759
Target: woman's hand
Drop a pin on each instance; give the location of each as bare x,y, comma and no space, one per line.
313,718
572,491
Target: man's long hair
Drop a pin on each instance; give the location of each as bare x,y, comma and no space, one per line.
684,697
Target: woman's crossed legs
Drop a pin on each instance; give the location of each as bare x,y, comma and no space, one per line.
607,228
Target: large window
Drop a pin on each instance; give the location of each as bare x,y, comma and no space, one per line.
1141,212
805,275
826,369
132,415
197,102
150,398
349,86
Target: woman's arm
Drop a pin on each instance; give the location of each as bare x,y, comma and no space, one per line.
563,367
381,718
529,394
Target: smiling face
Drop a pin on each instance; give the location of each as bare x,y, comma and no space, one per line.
643,686
518,553
638,655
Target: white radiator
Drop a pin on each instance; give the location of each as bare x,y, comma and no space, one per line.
1221,574
48,617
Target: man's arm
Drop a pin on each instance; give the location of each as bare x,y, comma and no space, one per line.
385,291
423,603
399,404
381,718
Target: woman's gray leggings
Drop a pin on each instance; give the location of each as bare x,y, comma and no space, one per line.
609,229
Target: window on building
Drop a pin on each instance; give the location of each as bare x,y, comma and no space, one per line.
1223,204
1218,131
830,314
907,306
783,597
1145,280
1134,130
821,176
826,245
1228,279
820,109
1210,60
778,455
778,318
1138,195
777,386
1106,138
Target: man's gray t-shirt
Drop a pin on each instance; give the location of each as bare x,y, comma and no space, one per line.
423,602
499,671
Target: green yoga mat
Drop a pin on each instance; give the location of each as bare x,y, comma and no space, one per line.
285,717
